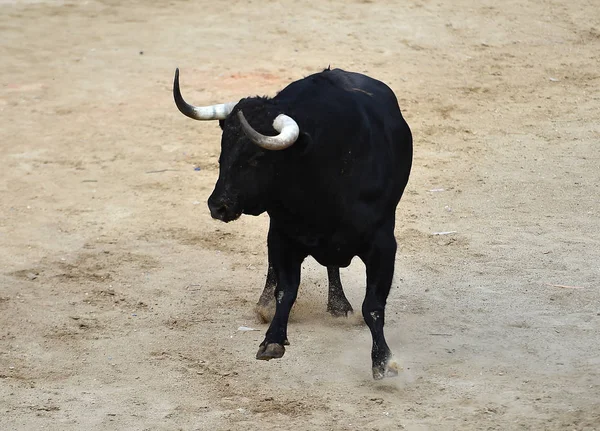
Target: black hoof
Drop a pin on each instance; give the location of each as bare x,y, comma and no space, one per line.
270,351
387,368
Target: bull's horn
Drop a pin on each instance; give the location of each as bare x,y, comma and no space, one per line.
214,112
286,126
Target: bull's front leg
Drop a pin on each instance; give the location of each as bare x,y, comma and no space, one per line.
286,262
379,261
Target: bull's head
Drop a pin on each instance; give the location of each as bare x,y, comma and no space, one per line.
246,164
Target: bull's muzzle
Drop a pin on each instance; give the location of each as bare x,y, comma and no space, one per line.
223,209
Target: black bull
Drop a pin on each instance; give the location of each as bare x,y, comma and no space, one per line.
331,194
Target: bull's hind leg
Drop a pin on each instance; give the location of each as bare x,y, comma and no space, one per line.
265,308
337,303
379,261
286,263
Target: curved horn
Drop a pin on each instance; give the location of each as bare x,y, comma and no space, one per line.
214,112
286,126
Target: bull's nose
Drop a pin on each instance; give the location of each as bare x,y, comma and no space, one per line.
218,211
222,210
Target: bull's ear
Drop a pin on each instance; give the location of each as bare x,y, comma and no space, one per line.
221,123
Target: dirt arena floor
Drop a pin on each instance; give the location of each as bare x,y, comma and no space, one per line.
121,299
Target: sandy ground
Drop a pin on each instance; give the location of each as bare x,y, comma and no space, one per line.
120,298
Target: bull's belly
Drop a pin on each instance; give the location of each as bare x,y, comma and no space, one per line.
335,249
334,254
338,260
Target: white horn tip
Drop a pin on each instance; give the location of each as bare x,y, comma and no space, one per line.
284,122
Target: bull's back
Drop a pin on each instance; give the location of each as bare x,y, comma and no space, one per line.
387,153
341,87
379,93
361,155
